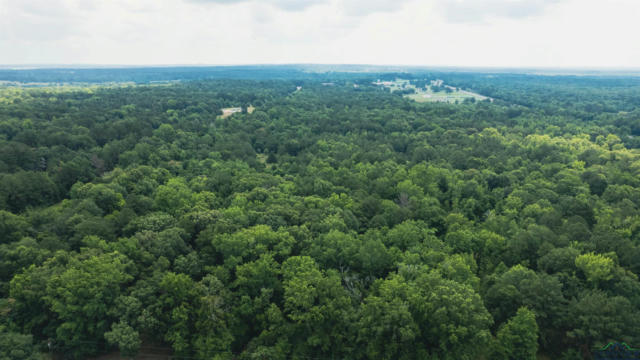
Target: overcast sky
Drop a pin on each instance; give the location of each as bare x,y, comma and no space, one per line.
504,33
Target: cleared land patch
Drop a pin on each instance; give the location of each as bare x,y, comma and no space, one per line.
226,112
436,92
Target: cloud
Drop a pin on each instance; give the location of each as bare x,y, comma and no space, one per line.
419,32
350,7
37,20
366,7
460,11
322,23
288,5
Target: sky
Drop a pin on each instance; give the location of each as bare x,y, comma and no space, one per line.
477,33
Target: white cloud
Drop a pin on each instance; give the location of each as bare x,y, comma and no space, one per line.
290,5
352,7
417,32
481,10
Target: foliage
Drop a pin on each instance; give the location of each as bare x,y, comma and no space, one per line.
125,337
331,222
518,338
14,346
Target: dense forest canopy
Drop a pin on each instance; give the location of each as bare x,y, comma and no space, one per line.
330,222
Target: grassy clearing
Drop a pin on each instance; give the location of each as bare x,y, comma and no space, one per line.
429,95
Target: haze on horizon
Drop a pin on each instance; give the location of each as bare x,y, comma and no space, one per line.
465,33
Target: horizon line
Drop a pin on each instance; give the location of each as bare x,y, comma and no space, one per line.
26,66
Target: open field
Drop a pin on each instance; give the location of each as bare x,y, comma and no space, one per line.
429,95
